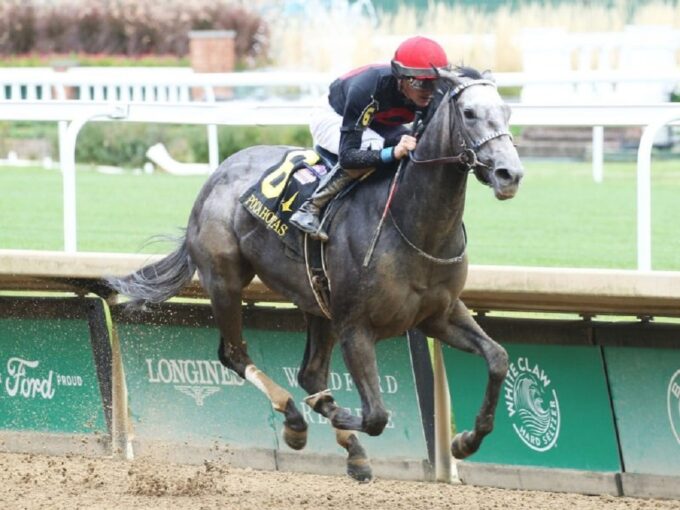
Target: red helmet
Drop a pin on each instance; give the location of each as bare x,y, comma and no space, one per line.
418,57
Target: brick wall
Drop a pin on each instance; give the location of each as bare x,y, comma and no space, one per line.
212,51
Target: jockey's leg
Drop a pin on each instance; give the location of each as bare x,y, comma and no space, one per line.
306,218
325,127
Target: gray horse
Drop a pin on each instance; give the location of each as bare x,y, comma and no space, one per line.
414,278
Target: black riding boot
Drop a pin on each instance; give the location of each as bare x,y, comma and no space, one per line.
306,218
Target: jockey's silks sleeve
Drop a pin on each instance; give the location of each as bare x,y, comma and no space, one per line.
368,97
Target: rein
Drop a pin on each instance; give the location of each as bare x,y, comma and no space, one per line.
468,158
436,260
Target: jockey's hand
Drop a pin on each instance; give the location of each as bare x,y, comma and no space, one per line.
406,143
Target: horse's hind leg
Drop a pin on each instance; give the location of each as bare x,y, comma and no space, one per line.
460,330
313,377
224,282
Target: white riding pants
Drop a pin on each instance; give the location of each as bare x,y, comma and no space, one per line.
325,126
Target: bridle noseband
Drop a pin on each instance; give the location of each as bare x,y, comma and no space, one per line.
468,156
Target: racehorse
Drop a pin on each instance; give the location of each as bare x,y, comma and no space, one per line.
413,278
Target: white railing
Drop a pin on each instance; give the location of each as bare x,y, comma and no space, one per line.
182,84
76,114
549,80
150,85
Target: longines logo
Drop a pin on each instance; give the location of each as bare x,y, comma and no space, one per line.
532,405
198,393
25,380
197,379
674,404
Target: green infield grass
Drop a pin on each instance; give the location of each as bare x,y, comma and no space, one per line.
559,218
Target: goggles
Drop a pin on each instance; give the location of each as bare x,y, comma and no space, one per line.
418,78
428,84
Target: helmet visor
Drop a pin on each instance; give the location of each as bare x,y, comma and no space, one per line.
401,71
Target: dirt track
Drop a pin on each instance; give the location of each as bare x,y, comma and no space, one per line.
32,482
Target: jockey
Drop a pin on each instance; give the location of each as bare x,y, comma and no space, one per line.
363,122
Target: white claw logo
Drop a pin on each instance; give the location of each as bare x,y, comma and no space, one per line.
674,404
532,405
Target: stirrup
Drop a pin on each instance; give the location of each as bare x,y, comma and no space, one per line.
320,235
312,226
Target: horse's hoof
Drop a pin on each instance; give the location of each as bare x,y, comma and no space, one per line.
296,439
360,471
459,445
358,465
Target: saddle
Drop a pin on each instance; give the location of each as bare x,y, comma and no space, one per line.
280,191
283,188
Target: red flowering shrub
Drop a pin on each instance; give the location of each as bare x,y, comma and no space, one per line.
127,27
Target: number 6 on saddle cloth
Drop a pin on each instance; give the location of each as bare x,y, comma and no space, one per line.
284,187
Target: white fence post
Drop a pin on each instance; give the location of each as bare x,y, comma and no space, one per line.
598,153
121,443
213,141
644,191
442,417
67,148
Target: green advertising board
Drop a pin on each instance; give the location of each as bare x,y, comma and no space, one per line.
178,390
645,386
553,410
48,375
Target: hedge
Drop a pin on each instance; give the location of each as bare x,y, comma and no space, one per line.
125,144
126,27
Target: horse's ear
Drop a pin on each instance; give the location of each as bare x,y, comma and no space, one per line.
450,76
486,75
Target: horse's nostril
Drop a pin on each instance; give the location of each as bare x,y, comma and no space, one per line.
505,176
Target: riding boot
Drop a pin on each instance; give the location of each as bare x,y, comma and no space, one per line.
306,218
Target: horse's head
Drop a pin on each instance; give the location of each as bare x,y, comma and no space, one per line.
482,121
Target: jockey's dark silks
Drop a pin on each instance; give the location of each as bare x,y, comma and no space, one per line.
365,124
369,97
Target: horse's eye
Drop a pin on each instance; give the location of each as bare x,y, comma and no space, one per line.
469,113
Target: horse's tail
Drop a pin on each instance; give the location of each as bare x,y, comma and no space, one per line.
159,281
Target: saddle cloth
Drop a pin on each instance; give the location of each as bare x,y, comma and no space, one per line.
281,191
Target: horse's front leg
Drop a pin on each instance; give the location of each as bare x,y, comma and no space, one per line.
358,350
460,330
313,377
